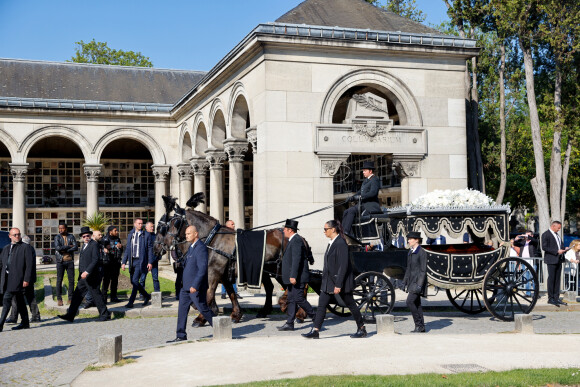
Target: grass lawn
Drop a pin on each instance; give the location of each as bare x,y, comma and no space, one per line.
521,377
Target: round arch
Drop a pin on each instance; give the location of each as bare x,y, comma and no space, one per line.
200,143
217,125
406,104
10,143
185,143
55,131
238,112
130,133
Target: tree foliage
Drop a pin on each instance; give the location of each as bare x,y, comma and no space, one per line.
405,8
100,53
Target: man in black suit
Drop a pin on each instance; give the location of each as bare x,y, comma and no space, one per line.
89,278
553,258
337,280
16,274
295,274
368,195
139,255
29,295
195,284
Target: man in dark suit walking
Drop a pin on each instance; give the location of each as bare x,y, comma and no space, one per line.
368,195
139,255
337,280
295,274
553,258
89,278
195,284
16,274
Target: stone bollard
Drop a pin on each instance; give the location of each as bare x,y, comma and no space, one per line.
156,299
524,323
222,328
385,324
110,349
570,296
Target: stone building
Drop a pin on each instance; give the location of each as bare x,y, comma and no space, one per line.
279,127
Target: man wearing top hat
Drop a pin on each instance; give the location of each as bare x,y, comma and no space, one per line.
294,274
368,195
89,278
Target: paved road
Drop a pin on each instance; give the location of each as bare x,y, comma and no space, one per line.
53,352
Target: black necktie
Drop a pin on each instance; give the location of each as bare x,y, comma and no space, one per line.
9,257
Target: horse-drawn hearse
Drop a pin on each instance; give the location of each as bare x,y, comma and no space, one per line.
475,275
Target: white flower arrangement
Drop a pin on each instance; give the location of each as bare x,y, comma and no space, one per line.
457,199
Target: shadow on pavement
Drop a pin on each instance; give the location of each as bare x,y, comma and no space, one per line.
36,353
438,324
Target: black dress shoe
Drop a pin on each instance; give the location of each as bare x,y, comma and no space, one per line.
129,306
286,327
556,304
561,303
147,301
35,319
177,340
106,317
65,317
21,326
360,333
313,334
418,330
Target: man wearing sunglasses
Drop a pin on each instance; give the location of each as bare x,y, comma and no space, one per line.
16,274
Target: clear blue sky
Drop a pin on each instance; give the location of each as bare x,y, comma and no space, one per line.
177,34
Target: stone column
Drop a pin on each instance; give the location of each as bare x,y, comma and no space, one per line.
236,150
18,172
161,173
406,167
216,158
252,134
185,173
199,165
92,172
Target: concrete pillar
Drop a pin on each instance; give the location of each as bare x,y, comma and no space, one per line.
215,158
18,172
161,173
92,172
199,166
236,151
110,349
385,324
407,166
524,323
156,300
252,134
185,173
222,328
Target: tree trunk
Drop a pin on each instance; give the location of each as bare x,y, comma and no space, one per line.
475,122
556,158
538,182
565,178
502,162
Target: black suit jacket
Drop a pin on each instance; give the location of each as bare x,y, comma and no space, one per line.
369,194
551,247
89,260
337,271
195,268
294,263
416,273
21,267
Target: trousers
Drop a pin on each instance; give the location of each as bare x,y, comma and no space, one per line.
154,275
296,298
198,299
30,298
414,304
553,283
61,267
20,304
111,273
85,286
323,302
135,273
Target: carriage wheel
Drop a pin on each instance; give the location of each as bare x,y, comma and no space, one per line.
468,301
374,294
510,287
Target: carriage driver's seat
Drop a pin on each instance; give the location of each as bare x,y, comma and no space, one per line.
367,229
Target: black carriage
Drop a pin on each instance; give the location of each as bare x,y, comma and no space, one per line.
475,275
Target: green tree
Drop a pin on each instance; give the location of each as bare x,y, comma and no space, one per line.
99,53
405,8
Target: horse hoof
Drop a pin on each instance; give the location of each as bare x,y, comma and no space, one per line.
299,320
197,324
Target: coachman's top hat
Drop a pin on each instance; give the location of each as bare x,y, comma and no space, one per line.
291,223
414,235
368,165
85,230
